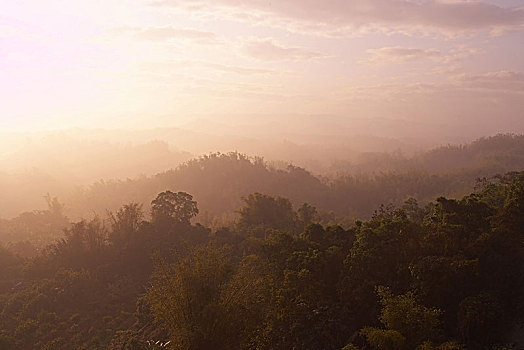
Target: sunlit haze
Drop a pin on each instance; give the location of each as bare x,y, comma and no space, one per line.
262,174
141,64
115,89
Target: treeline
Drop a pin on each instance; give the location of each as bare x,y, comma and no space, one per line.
495,154
59,163
217,181
31,231
447,275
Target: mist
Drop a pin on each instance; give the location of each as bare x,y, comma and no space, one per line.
64,163
224,174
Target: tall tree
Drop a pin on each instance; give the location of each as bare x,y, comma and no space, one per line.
178,207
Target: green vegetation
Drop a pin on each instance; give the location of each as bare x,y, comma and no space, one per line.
352,190
282,274
449,275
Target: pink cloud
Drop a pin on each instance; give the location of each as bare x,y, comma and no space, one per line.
400,54
487,102
177,65
267,50
170,33
502,80
338,15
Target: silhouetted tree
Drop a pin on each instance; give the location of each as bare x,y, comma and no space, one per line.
306,214
125,222
262,212
179,207
187,299
408,324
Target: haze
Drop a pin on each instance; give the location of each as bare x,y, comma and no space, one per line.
141,64
116,90
261,174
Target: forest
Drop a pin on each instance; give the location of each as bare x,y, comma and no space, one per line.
262,175
350,189
228,251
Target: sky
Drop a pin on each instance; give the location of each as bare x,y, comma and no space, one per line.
142,64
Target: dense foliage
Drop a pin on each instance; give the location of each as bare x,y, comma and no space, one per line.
448,275
352,190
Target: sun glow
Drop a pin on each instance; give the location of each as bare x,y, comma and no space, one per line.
88,64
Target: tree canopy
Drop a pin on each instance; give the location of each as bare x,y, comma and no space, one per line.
445,276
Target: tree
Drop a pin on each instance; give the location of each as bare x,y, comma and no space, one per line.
479,320
53,205
384,339
381,254
83,245
125,222
408,324
8,262
306,214
266,212
178,207
187,299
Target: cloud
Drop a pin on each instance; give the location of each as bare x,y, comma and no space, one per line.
268,50
344,15
184,65
482,103
399,54
236,69
503,80
500,82
170,33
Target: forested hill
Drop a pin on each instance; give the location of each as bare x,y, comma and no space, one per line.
255,270
496,153
218,181
492,154
449,276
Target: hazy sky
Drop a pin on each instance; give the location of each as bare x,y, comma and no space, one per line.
130,63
